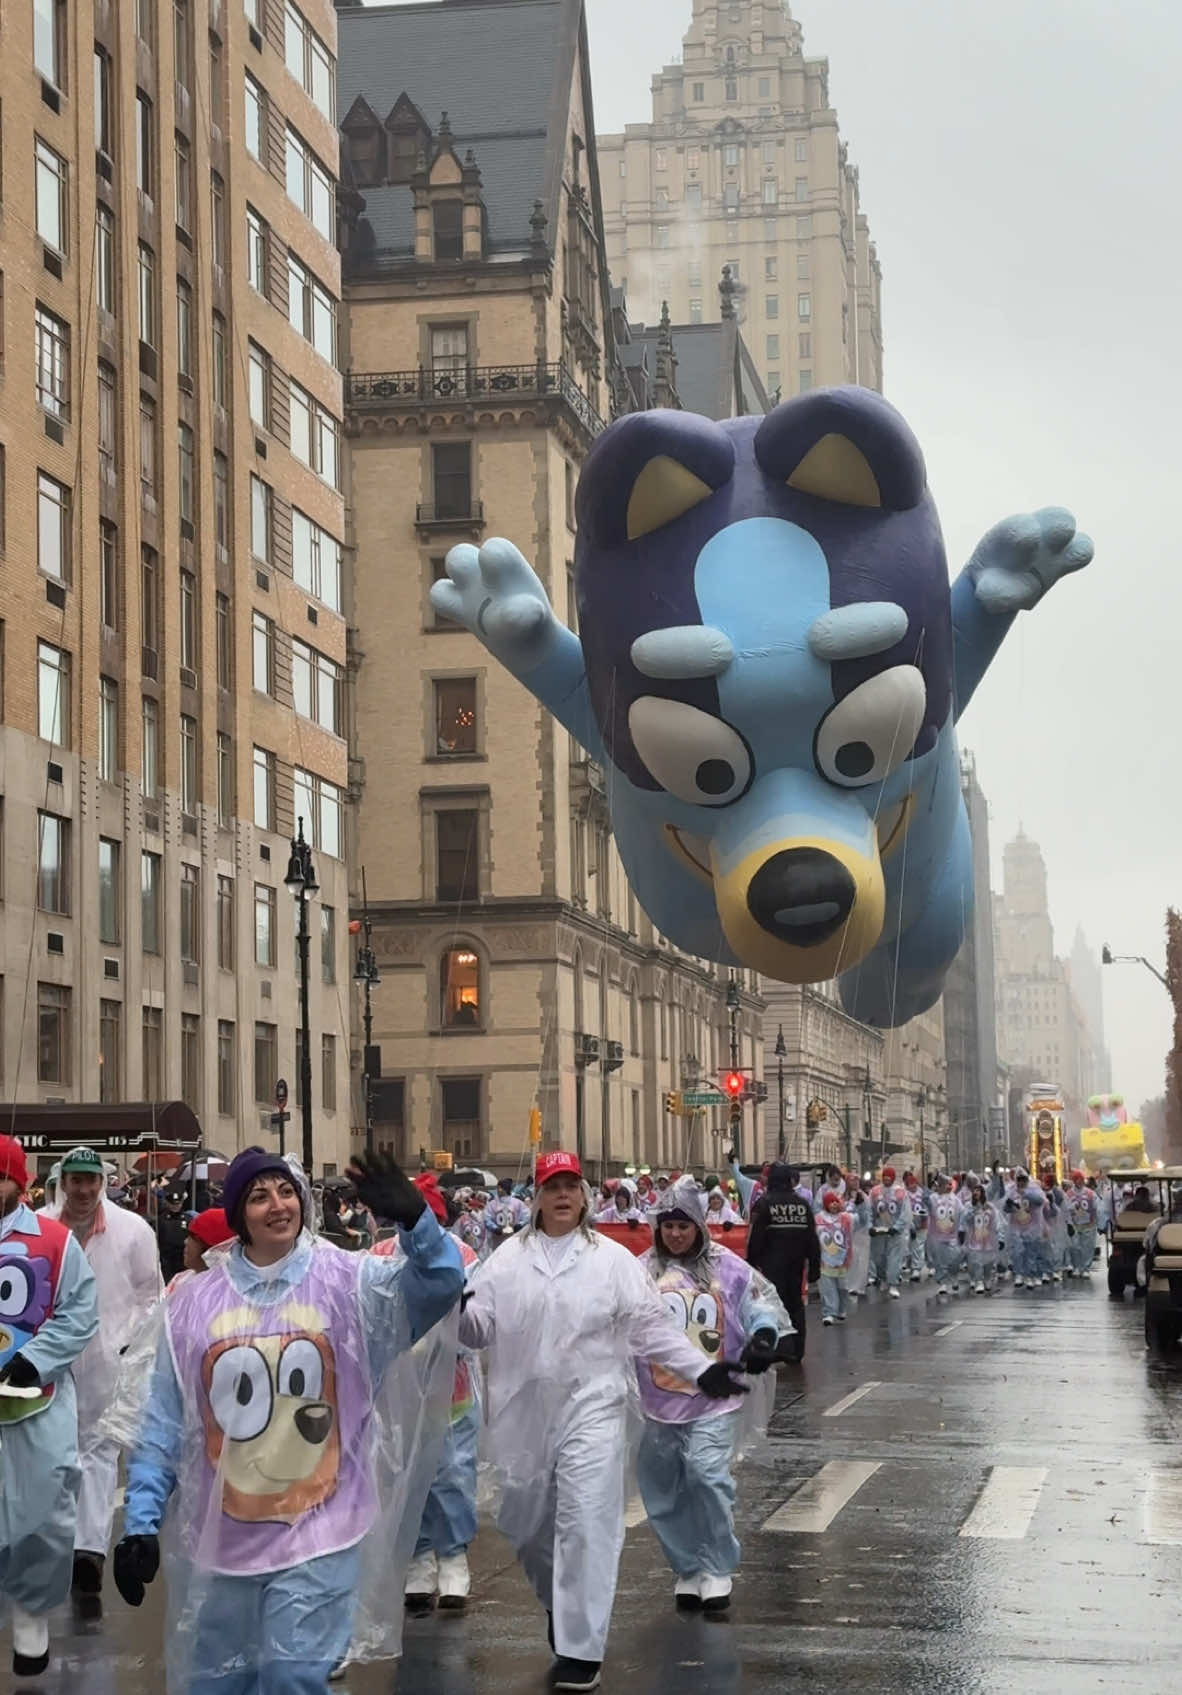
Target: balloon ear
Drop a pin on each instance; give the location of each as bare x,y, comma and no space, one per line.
648,470
663,491
834,469
844,445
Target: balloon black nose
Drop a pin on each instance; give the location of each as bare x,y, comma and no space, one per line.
314,1422
801,895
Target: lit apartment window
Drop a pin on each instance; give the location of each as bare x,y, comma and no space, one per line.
258,385
53,196
459,989
263,652
190,904
108,729
53,528
226,1067
315,435
224,923
146,265
310,62
53,863
184,329
110,1050
104,259
150,749
49,40
110,903
320,804
258,238
145,176
53,694
256,118
316,684
264,788
183,175
309,185
455,717
264,925
108,575
53,1033
316,560
151,889
52,363
260,518
311,309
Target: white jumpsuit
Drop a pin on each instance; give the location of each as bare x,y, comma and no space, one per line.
123,1255
561,1319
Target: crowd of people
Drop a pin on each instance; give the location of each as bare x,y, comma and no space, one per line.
303,1429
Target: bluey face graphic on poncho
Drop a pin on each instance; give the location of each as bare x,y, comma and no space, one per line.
765,614
25,1297
700,1313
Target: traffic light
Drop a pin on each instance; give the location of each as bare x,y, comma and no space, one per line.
733,1084
535,1127
673,1102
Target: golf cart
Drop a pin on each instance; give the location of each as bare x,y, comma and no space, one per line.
1131,1218
1163,1267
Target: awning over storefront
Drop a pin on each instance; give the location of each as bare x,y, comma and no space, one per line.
117,1127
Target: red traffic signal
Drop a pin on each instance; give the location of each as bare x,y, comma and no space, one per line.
734,1083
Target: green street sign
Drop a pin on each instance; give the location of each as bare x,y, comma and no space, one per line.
702,1097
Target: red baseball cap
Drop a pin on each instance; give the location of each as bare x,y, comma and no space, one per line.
888,1174
211,1229
12,1162
552,1165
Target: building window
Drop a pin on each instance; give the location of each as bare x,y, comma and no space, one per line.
802,263
804,306
108,729
221,637
107,425
144,21
460,1103
773,347
265,914
258,385
186,473
800,189
188,620
316,560
53,863
110,1050
661,235
104,259
321,804
315,435
53,694
771,306
731,89
806,381
256,118
151,929
145,176
730,153
801,149
110,904
695,311
328,1072
150,749
226,1068
266,1061
147,295
449,358
264,788
328,944
699,92
804,227
311,309
108,575
310,185
263,652
183,181
184,329
261,513
455,717
310,62
451,475
148,449
770,191
49,40
53,528
191,1060
447,217
219,359
457,854
190,913
258,239
152,1036
150,609
316,684
52,196
52,355
181,56
459,989
53,1033
217,219
769,269
764,88
190,765
693,196
225,754
660,159
224,923
221,502
730,199
804,344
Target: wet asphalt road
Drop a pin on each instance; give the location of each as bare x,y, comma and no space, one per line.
1000,1511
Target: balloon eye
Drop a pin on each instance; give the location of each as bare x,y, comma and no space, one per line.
868,735
694,756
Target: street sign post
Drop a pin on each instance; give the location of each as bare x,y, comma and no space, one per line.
281,1115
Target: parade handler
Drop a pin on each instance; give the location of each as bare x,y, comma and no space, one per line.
561,1311
48,1313
290,1437
684,1465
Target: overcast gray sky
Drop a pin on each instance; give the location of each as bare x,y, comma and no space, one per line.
1019,169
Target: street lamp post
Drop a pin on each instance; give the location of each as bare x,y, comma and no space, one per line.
921,1101
1107,957
302,884
781,1050
735,1120
366,973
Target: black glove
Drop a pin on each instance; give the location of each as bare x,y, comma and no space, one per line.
136,1562
21,1373
760,1352
719,1382
1071,1229
731,1156
633,1223
914,1234
728,1224
1011,1206
386,1190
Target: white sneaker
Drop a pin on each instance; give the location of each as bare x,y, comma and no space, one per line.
687,1593
840,1318
1046,1277
853,1294
455,1583
894,1294
826,1320
30,1643
1057,1278
980,1288
715,1593
422,1578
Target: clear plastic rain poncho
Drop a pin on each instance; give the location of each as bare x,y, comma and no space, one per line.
293,1428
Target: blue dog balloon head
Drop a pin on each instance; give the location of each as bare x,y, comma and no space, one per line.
764,609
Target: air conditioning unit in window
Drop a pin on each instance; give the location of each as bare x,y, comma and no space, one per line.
111,969
586,1050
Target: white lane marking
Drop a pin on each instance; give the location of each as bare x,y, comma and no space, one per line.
1163,1509
1006,1505
818,1501
634,1513
848,1401
949,1328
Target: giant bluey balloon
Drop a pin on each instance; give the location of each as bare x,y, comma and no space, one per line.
771,667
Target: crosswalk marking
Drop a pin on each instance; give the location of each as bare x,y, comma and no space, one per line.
1006,1505
949,1328
817,1503
1163,1509
848,1400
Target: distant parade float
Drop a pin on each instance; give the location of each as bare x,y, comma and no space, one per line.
1109,1140
769,669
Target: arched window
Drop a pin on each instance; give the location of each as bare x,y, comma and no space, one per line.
460,1001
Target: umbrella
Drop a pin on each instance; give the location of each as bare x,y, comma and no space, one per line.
211,1167
158,1163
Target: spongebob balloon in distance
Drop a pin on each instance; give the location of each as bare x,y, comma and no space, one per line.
771,668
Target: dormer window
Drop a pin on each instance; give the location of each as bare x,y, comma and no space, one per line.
448,219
